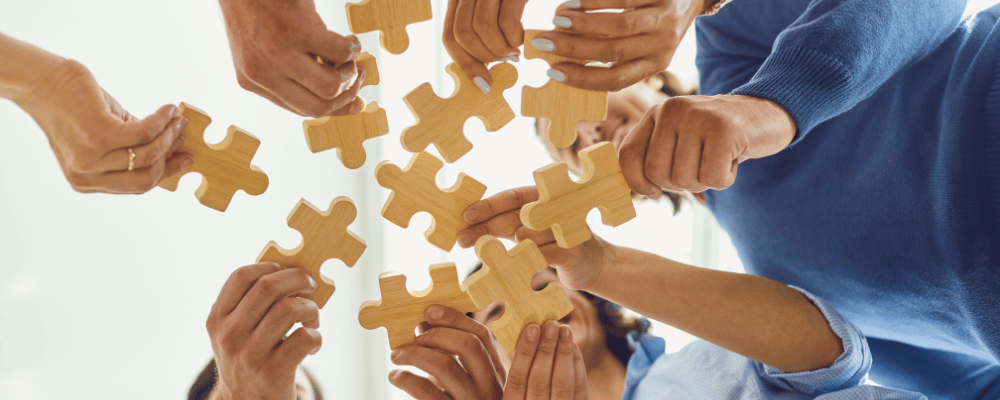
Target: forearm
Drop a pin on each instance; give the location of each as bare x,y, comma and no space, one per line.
757,317
24,68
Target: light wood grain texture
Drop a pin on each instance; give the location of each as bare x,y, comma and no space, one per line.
562,105
224,167
324,236
400,311
563,204
440,121
390,18
414,189
507,277
347,133
366,61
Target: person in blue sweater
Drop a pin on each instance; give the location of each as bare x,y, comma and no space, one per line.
858,144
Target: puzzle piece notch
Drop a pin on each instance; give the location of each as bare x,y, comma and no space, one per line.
400,311
563,105
564,204
224,167
390,18
414,189
507,276
440,121
347,133
366,62
324,236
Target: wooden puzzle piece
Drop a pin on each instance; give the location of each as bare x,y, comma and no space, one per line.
346,133
507,276
366,61
224,167
400,311
562,105
390,18
440,121
414,189
564,204
324,236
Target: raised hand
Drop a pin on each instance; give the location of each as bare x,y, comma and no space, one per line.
248,323
283,52
478,32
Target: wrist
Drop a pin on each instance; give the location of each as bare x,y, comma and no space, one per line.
606,254
28,69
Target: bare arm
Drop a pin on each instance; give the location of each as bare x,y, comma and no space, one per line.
24,67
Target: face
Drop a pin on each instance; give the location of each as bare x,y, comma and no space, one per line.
587,331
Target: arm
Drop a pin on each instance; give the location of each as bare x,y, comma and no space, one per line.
25,67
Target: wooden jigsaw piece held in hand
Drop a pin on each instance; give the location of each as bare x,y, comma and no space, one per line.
562,105
390,18
440,121
414,189
507,276
400,311
324,236
347,133
564,204
366,62
224,167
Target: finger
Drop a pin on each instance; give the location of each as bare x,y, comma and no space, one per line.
632,155
511,12
455,380
279,319
507,200
557,256
590,5
501,226
687,161
516,387
147,154
267,290
239,283
469,349
252,86
610,24
540,377
619,76
486,23
540,238
334,48
324,81
137,133
299,345
662,152
304,101
563,371
418,387
440,316
580,369
718,165
348,102
601,49
175,164
136,181
466,35
474,69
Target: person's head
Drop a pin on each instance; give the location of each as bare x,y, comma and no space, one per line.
625,109
599,326
305,386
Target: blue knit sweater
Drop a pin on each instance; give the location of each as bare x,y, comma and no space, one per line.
887,203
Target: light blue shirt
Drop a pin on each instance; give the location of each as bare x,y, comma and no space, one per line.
704,371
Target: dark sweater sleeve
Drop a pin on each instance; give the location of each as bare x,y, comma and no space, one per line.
838,52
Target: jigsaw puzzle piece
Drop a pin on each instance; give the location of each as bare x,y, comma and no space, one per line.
224,167
563,204
400,311
506,276
441,121
390,18
366,61
324,236
347,133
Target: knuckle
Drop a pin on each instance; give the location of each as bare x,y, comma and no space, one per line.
267,286
517,380
538,389
624,25
286,307
77,181
561,389
243,275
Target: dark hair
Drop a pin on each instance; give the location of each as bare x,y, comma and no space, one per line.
209,375
617,325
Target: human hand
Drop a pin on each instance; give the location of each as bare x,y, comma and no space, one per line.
500,216
276,47
247,325
696,143
551,368
640,40
478,32
476,373
92,135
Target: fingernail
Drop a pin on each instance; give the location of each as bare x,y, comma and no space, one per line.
571,4
173,110
551,331
532,332
482,84
465,240
181,124
564,333
656,194
435,312
312,282
187,163
512,57
393,373
355,47
471,215
562,22
395,355
556,75
545,45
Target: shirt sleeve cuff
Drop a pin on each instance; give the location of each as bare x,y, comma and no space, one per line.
849,370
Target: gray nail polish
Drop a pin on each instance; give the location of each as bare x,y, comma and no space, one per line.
556,75
571,4
562,22
482,84
510,58
545,45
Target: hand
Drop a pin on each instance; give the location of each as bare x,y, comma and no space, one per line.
640,40
478,32
247,325
476,373
550,369
276,47
91,134
696,143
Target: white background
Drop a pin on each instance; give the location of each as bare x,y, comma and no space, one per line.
106,296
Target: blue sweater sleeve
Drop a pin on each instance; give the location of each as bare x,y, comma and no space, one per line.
838,52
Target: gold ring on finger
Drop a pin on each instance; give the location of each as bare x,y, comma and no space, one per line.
131,159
